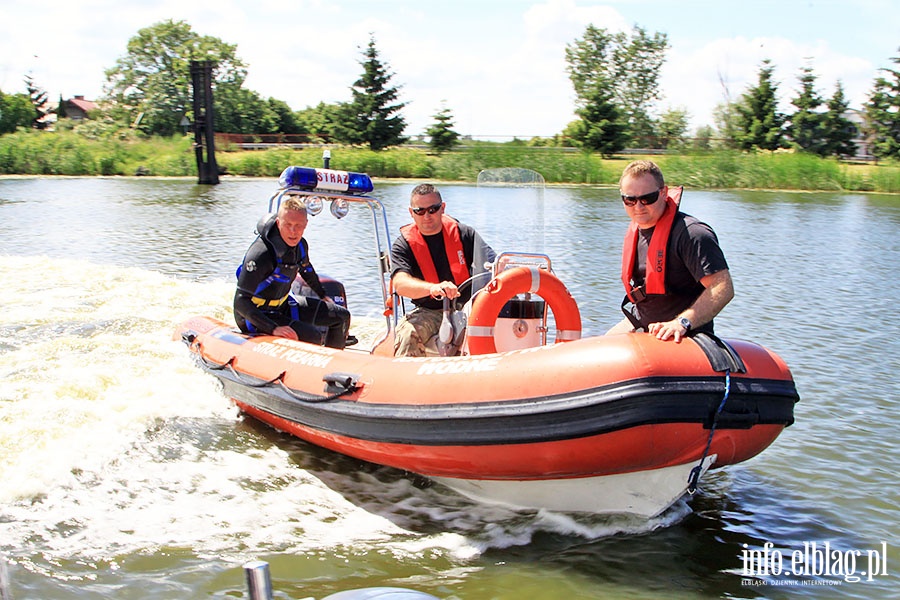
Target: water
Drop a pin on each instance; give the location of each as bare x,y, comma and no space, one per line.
125,473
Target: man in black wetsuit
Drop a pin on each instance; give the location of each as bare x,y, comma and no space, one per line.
675,274
262,302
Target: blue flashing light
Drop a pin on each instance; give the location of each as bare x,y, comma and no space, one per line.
360,183
308,178
298,177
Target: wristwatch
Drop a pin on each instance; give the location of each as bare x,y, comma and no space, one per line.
684,323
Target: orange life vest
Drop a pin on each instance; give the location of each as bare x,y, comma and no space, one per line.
453,248
655,270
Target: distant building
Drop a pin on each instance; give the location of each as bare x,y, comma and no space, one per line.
77,108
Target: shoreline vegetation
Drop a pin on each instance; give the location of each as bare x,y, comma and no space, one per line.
65,153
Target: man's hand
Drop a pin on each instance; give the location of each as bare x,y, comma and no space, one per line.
285,332
668,329
444,288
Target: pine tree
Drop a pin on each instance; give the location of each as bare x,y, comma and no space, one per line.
838,132
805,126
441,134
601,128
759,122
370,117
883,114
39,102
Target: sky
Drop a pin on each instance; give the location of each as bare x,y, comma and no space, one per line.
498,65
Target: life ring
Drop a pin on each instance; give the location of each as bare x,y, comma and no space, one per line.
519,280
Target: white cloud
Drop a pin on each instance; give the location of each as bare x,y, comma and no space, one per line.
500,66
701,79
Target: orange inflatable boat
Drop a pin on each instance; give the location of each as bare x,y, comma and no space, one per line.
606,424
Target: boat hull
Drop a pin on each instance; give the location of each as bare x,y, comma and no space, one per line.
626,412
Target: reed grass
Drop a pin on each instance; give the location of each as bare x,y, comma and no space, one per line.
68,153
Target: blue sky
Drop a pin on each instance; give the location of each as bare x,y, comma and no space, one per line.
498,65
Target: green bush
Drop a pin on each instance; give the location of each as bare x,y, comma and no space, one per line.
98,149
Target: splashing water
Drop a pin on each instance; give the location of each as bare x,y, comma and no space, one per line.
112,444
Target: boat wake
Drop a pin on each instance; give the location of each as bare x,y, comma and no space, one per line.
112,444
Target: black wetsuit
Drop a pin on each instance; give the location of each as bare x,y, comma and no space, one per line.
262,301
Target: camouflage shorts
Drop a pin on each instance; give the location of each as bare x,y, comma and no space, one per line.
414,330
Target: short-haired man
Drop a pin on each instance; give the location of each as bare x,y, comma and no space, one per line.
675,274
431,259
262,301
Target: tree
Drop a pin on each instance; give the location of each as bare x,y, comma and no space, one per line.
759,122
726,117
151,84
628,65
883,114
703,137
838,131
39,101
671,129
370,118
239,110
16,111
287,120
601,128
441,134
321,120
805,125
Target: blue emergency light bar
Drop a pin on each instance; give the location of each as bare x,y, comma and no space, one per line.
308,178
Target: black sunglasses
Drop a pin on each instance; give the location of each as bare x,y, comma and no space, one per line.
646,199
428,209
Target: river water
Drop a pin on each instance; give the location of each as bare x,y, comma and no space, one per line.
125,473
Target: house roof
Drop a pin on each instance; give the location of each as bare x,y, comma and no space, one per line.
85,105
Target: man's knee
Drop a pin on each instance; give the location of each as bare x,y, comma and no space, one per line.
407,341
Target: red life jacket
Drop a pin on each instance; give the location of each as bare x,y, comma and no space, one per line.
453,248
655,270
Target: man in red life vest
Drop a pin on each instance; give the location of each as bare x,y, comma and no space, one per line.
432,258
675,275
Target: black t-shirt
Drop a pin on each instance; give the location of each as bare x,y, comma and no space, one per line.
476,250
692,253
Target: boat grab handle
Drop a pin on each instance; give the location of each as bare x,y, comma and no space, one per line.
340,383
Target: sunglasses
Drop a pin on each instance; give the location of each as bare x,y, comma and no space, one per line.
646,199
427,209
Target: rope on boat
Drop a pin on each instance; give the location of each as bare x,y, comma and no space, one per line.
351,387
348,384
229,364
694,477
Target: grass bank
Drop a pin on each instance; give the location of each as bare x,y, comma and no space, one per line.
68,153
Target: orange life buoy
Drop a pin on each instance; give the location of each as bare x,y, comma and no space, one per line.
519,280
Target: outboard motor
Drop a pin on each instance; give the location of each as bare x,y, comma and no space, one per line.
333,287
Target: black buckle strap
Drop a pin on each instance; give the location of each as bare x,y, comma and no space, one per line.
722,357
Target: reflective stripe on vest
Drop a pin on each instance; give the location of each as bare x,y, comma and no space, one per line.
453,248
269,302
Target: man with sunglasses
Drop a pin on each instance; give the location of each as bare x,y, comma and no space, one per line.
675,274
431,259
